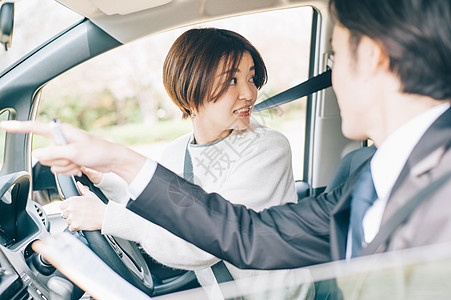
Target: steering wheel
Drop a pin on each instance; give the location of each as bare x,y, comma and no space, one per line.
123,256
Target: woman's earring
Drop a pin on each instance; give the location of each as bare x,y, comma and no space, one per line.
193,115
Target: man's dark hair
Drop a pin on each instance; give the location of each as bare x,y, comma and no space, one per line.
415,34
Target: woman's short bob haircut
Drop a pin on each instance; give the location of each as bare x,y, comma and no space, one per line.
192,63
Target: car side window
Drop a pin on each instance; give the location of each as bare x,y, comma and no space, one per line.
120,95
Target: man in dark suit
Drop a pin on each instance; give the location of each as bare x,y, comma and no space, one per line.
388,90
392,80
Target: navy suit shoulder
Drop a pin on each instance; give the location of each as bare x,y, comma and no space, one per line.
349,164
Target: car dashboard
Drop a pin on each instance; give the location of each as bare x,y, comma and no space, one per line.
24,274
11,285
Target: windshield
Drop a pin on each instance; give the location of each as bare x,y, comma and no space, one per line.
417,273
35,21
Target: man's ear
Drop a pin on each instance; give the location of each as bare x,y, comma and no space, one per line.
373,55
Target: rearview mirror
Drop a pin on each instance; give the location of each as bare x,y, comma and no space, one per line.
6,24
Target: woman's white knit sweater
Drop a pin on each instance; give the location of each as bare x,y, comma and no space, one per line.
250,167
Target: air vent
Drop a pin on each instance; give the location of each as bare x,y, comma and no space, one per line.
42,216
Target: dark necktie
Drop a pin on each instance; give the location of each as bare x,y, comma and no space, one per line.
363,197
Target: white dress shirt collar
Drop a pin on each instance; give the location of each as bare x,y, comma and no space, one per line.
392,155
388,161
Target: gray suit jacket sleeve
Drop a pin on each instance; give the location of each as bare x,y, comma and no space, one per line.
286,236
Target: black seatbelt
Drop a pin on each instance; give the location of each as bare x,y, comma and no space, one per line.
310,86
402,214
222,274
219,269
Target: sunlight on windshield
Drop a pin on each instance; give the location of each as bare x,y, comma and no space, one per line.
35,21
417,273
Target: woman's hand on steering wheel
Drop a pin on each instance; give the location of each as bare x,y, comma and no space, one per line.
95,176
83,212
86,213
